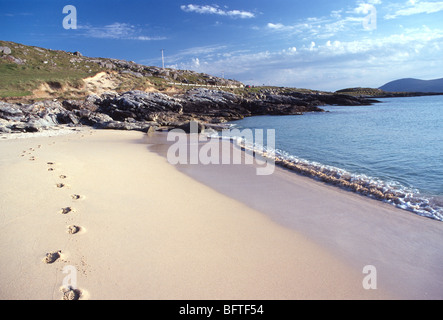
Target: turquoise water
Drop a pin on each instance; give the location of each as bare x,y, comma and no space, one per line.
397,143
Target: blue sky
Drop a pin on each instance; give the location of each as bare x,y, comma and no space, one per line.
317,44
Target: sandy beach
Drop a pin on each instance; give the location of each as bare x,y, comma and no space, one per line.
144,229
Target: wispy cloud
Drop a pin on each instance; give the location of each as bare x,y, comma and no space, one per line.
328,26
208,9
412,7
175,60
117,31
16,14
324,63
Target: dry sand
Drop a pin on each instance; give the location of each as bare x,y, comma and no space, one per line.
145,230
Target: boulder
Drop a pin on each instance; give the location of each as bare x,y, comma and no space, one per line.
13,59
26,127
119,125
88,103
192,127
5,129
5,50
11,112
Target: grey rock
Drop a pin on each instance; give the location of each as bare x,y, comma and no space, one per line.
33,126
9,111
88,103
13,59
136,74
97,118
5,129
26,127
107,64
192,127
119,125
5,50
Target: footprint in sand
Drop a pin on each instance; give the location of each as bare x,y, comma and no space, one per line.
66,210
76,196
51,257
71,294
63,176
73,229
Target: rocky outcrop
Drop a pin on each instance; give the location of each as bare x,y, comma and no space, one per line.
5,50
146,111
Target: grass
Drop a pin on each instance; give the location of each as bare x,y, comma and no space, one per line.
17,80
41,66
358,92
64,71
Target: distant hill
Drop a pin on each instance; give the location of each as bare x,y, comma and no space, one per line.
414,85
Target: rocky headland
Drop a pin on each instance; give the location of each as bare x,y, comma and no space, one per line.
144,111
43,88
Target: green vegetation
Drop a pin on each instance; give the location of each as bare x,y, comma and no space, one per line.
362,92
26,68
256,90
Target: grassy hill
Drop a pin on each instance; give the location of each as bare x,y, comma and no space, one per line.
363,92
35,73
379,93
25,68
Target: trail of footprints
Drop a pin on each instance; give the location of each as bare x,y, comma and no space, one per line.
51,257
69,293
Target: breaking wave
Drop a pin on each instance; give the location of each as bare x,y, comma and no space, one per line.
391,192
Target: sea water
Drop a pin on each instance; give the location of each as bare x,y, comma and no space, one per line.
396,144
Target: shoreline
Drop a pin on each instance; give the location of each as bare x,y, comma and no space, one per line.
353,226
146,230
362,185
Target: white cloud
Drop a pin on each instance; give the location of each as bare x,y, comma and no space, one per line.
351,20
312,46
416,7
196,62
363,8
207,9
279,26
330,64
117,30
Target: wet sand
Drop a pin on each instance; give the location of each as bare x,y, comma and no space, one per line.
406,249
